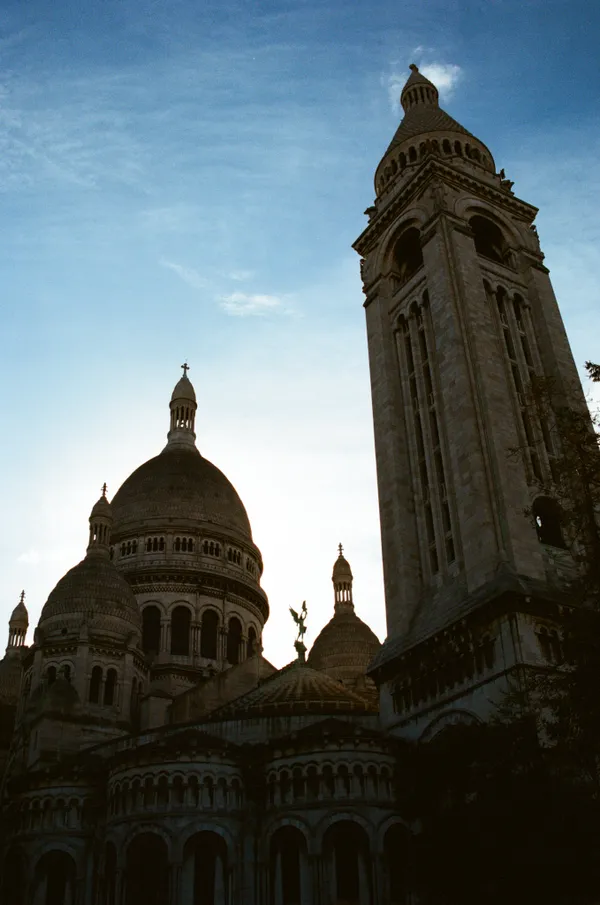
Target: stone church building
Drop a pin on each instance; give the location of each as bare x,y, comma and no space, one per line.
150,754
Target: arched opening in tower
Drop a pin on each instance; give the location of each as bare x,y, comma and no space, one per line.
408,256
489,239
180,631
548,522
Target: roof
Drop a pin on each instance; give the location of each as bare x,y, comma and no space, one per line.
295,690
424,118
179,485
93,588
184,389
344,647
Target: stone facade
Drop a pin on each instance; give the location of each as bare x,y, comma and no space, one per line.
151,755
461,318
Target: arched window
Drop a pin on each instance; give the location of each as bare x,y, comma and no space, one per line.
446,146
151,629
110,686
51,675
489,240
287,853
408,257
234,640
147,871
346,848
180,631
251,645
95,683
54,879
548,522
208,635
205,863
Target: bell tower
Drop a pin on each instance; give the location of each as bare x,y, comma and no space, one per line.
461,316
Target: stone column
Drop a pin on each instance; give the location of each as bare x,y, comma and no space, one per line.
175,881
277,880
220,883
306,892
363,881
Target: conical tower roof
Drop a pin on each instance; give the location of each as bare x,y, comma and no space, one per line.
424,118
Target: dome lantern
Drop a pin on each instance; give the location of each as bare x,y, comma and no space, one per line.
418,90
183,413
100,527
18,624
342,584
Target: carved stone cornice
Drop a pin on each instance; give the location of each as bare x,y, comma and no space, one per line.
430,170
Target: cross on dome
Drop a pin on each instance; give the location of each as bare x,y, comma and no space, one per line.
104,489
341,549
185,367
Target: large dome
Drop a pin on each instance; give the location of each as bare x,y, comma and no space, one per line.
93,592
182,486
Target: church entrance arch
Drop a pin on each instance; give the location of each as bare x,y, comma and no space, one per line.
204,876
147,871
288,868
54,880
348,864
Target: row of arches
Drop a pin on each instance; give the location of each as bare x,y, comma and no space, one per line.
440,675
440,148
322,782
206,792
344,872
103,686
182,416
160,544
176,636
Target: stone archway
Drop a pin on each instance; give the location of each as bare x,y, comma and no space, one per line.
54,879
289,882
147,871
204,875
348,864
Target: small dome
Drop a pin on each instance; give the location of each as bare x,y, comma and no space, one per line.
102,507
181,485
344,648
184,390
20,616
93,592
341,569
294,690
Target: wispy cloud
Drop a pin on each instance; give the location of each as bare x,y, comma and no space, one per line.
187,274
241,304
241,275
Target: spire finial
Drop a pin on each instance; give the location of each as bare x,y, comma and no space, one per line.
341,549
414,67
185,367
104,489
22,597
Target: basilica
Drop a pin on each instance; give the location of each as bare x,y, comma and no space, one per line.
150,754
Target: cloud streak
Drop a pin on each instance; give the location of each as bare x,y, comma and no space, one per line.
242,304
187,274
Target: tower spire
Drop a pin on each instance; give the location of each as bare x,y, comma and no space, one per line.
342,584
18,625
100,527
183,414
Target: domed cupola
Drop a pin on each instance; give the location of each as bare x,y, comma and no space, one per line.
426,130
18,624
93,593
346,645
183,407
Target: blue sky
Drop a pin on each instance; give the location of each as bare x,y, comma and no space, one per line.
184,180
